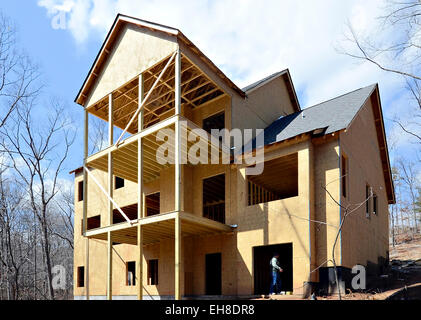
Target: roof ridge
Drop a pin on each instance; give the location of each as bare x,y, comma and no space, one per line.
146,21
263,80
340,96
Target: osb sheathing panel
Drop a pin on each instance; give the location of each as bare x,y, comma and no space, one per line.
326,175
364,239
129,58
98,204
263,105
221,104
281,221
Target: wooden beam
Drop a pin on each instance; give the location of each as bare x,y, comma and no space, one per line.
110,267
85,200
110,158
207,223
163,124
85,175
110,202
177,168
178,82
139,268
140,202
178,262
87,269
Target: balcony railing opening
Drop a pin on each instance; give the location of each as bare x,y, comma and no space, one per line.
279,180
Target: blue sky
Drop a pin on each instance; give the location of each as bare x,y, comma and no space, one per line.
247,39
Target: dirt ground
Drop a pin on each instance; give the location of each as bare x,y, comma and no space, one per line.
405,271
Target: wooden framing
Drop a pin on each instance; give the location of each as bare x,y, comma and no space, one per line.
145,100
196,88
160,227
110,202
134,158
177,168
140,192
109,266
85,199
125,156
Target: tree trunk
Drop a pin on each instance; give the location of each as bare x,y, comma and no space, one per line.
47,261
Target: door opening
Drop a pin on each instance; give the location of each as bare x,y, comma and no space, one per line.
213,274
263,271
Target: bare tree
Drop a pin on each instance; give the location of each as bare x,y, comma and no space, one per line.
64,209
37,154
36,213
98,137
18,75
408,176
399,54
348,210
15,245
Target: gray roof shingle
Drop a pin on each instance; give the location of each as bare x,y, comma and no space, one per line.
332,115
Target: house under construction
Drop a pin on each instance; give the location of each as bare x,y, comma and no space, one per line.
150,229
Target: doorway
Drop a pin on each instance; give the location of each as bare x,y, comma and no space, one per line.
213,274
263,272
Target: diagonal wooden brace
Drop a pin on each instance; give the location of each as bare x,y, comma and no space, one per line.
108,196
146,99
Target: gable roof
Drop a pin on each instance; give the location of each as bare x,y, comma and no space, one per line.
286,76
122,20
332,116
263,81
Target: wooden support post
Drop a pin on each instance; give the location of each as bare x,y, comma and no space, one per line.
141,97
178,82
178,261
110,203
110,267
177,167
139,281
85,200
140,197
87,269
85,174
110,158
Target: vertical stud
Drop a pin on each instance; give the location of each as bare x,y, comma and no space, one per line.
85,200
110,204
177,168
140,195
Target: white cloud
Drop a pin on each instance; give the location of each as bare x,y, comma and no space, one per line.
250,39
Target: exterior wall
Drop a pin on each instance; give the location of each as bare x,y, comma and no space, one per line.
129,58
364,240
327,211
276,222
263,105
